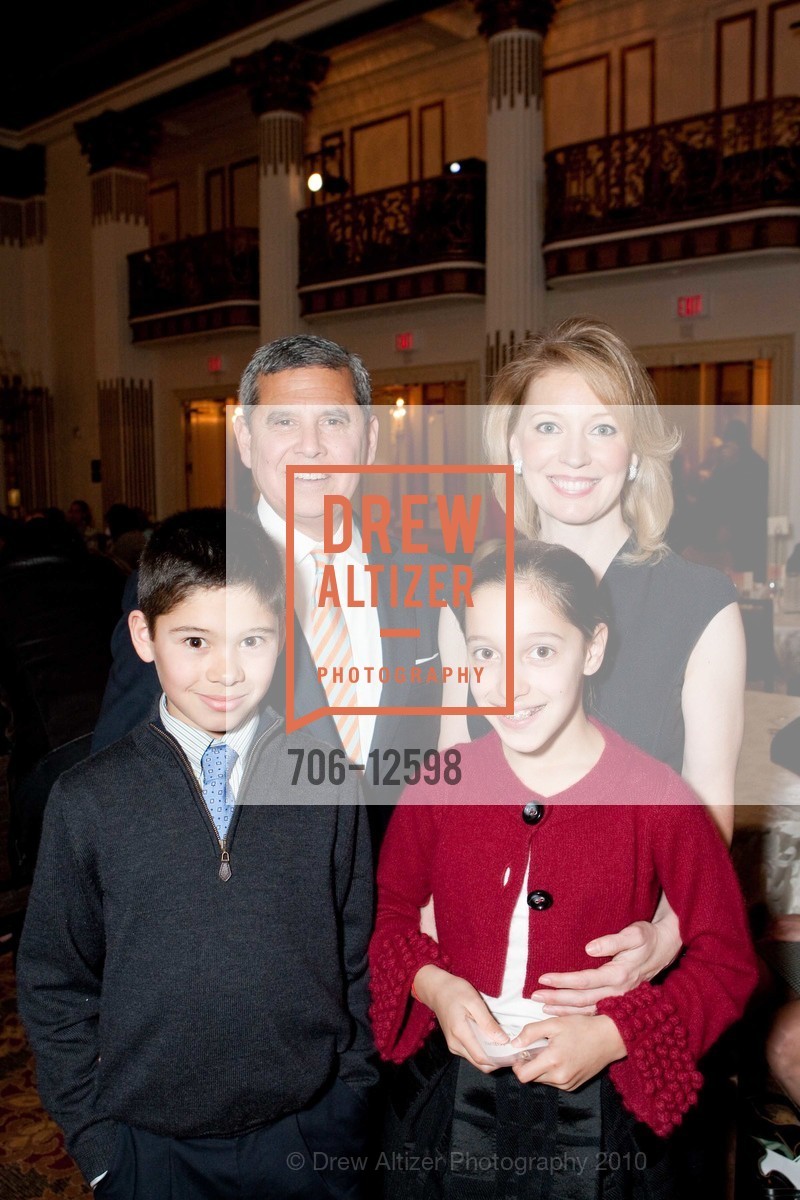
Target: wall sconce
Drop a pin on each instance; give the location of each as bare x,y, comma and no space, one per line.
321,179
466,166
329,185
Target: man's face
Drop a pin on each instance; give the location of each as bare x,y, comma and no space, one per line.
306,417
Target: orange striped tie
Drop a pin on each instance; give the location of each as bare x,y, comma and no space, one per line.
330,648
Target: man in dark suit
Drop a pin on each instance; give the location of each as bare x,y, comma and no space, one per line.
305,402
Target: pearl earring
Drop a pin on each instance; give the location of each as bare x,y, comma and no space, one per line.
633,471
517,466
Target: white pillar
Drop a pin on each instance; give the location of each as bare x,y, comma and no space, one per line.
280,198
24,292
118,145
124,372
119,228
27,456
281,79
515,281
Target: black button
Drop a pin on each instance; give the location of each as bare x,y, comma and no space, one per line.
540,900
532,813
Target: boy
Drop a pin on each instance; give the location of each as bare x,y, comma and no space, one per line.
192,973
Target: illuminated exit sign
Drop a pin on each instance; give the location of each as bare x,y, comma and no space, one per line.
404,341
690,307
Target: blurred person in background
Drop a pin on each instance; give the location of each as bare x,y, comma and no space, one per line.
739,498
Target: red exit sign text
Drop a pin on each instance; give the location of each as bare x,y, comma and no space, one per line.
692,306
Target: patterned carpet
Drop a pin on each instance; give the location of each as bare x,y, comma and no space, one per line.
33,1162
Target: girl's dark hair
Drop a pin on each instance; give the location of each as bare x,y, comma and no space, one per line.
209,548
559,577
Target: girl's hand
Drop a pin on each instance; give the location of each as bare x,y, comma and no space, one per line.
640,951
456,1004
579,1048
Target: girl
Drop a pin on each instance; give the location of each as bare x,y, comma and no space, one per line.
556,829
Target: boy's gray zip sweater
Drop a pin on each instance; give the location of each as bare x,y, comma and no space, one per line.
159,992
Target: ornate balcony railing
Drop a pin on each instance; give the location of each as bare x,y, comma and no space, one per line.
719,162
439,220
194,285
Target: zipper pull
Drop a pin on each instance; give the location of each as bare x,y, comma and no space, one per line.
224,865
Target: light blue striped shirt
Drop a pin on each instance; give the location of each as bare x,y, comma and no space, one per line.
194,743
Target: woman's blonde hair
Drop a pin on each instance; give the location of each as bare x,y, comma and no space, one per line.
606,363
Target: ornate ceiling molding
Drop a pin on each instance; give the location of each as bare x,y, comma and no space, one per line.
282,76
500,16
118,139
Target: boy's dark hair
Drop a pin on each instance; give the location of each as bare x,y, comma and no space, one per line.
559,577
209,548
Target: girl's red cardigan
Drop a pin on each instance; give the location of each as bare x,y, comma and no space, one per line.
602,850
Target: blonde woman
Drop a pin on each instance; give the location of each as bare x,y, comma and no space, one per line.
577,416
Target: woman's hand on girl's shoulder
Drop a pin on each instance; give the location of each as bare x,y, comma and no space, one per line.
578,1049
457,1005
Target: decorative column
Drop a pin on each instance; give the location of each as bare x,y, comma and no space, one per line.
515,285
26,409
281,80
119,146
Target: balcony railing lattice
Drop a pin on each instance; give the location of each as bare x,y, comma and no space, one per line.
414,224
724,161
196,272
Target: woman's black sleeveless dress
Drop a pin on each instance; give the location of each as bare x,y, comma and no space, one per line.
657,613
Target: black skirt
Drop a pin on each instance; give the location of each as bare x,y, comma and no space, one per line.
453,1133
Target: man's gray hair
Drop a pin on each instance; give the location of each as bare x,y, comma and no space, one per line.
302,350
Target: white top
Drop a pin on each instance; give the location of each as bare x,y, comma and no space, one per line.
510,1009
363,624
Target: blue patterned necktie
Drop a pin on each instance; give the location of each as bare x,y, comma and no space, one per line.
217,762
